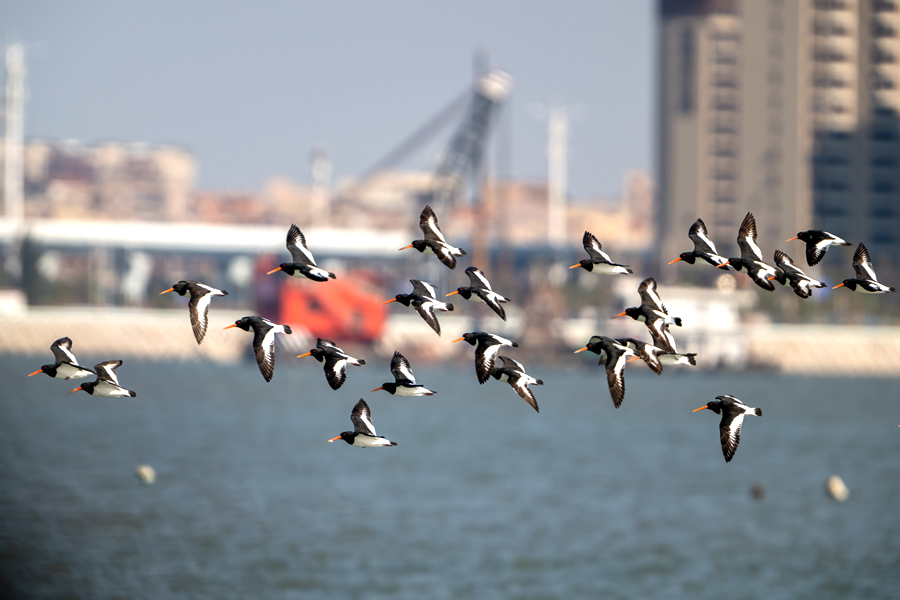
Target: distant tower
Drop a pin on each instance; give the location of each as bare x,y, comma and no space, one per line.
320,176
13,203
558,119
557,175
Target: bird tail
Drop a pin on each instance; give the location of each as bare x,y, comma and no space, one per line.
538,382
692,358
133,394
286,328
332,275
677,321
757,412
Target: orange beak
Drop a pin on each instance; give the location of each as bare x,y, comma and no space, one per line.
35,373
307,354
376,389
675,261
404,248
167,291
573,266
332,439
793,238
76,389
273,270
770,277
451,293
459,340
230,326
724,264
631,359
837,286
621,314
388,301
580,350
701,408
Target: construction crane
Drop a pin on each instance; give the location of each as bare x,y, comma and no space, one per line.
464,153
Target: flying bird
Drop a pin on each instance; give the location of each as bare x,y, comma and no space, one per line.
198,307
335,361
424,299
106,384
264,332
817,243
513,373
303,265
733,412
751,258
487,345
704,248
654,314
614,355
789,273
404,383
599,261
363,434
481,291
65,367
865,281
434,242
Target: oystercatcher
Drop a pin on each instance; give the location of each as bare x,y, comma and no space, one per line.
65,367
424,299
653,313
434,242
865,281
363,434
513,373
201,296
335,361
703,247
789,273
614,355
264,332
487,345
751,258
732,411
599,260
651,352
481,291
106,384
404,383
817,243
303,262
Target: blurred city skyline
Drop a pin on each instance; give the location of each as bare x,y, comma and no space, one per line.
251,92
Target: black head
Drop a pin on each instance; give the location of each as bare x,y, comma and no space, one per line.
419,245
48,369
465,292
347,436
715,406
471,337
242,323
805,235
316,353
586,264
403,299
687,257
181,288
87,386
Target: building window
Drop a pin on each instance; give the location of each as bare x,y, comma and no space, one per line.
882,29
884,161
884,187
884,5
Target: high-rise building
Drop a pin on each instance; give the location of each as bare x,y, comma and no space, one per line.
784,108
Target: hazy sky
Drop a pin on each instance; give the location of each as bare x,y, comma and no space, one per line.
251,88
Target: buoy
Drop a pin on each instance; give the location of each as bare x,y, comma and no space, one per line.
835,486
146,474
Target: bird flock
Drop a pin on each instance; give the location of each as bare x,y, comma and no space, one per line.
614,354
